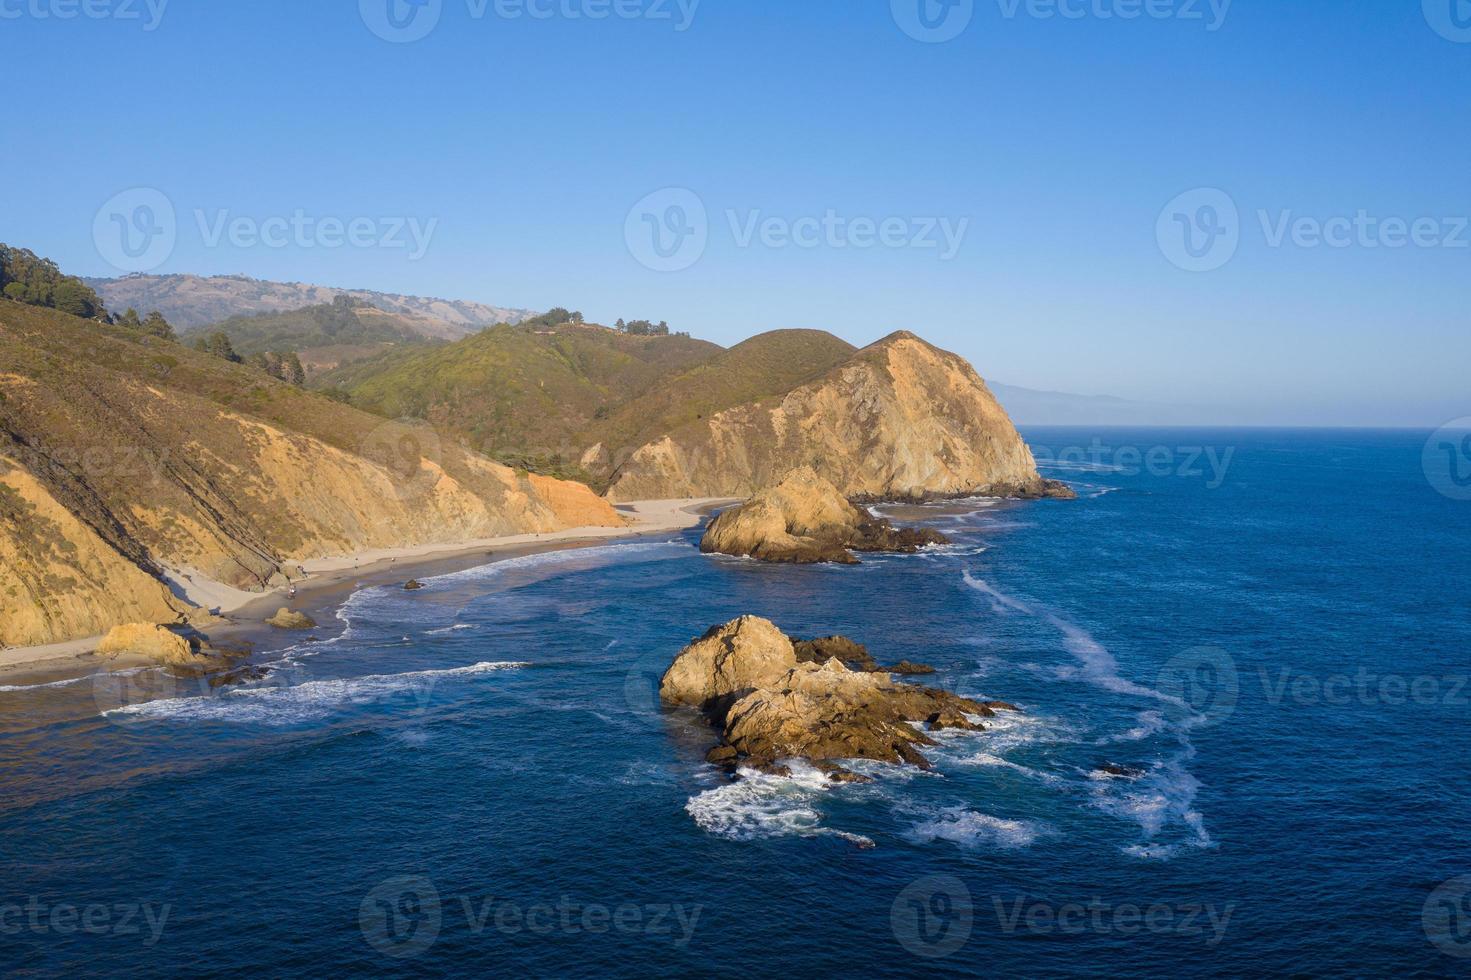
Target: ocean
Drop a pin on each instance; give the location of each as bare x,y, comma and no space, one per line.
1242,658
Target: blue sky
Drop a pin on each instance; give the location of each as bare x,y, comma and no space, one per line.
1050,146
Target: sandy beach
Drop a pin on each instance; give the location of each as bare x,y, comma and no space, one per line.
240,616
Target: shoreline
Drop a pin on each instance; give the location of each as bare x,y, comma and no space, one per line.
242,616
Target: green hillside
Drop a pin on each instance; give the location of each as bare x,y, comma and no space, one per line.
768,364
527,395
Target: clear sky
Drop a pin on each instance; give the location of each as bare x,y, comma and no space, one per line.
1050,139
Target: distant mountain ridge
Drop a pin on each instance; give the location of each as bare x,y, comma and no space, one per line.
189,301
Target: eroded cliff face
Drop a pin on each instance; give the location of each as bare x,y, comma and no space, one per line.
901,419
114,476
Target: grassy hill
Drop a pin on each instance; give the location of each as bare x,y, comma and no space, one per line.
768,364
530,396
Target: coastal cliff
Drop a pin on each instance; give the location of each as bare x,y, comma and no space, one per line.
128,463
899,419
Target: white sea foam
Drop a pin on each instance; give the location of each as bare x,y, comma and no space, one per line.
8,688
1001,602
1163,797
1098,666
990,760
1149,723
759,805
972,829
291,704
457,627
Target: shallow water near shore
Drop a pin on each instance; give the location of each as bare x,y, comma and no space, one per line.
1271,659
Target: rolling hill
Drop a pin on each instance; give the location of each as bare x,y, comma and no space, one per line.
532,397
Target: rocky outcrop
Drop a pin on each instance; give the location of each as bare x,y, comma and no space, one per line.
290,619
899,420
770,705
804,519
155,643
854,656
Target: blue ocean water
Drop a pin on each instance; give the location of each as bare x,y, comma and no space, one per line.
1266,631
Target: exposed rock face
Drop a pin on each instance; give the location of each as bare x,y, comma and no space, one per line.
805,519
290,619
147,640
731,659
122,461
747,678
900,420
